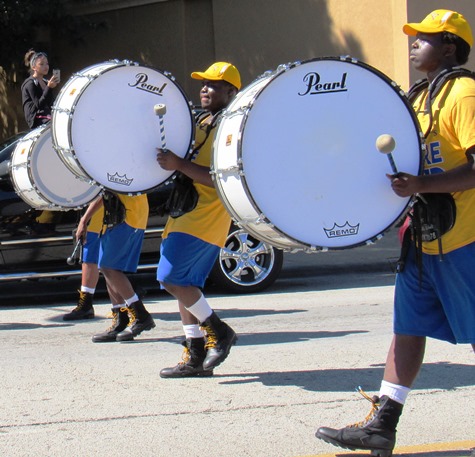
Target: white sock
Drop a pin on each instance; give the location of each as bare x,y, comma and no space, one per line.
131,300
193,331
123,305
88,290
201,309
394,392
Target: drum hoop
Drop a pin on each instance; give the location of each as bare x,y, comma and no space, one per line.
120,63
279,72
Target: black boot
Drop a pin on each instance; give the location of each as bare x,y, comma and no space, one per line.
220,337
140,320
120,320
83,310
376,433
192,364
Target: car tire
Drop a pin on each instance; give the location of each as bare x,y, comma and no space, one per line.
246,264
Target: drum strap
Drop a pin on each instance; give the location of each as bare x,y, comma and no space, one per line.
434,88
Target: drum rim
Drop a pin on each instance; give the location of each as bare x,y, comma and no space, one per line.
272,75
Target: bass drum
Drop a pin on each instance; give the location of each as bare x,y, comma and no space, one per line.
295,159
42,180
105,127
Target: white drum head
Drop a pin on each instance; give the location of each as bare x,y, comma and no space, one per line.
114,131
309,161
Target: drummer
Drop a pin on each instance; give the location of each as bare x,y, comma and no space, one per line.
125,221
434,296
191,241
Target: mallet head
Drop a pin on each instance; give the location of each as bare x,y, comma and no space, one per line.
160,109
385,143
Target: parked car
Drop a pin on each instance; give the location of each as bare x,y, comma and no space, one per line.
31,249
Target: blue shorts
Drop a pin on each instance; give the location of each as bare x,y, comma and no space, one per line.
120,248
90,249
444,306
185,260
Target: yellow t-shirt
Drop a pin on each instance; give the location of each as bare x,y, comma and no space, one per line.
136,210
209,221
96,222
452,133
136,213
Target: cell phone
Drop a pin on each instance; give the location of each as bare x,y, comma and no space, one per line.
57,73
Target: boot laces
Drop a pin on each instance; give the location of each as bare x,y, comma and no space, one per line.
375,403
115,318
132,316
185,356
211,337
82,302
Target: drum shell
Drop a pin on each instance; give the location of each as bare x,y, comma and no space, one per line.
41,179
105,128
283,187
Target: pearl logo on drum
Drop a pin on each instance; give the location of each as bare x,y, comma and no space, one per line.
119,179
314,84
141,83
338,231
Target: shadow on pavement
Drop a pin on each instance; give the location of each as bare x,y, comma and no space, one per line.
441,375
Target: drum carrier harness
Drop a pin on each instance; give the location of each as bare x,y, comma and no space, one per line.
432,214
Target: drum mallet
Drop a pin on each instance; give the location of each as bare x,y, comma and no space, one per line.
71,260
160,110
385,144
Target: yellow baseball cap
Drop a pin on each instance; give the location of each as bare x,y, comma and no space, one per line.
220,71
442,21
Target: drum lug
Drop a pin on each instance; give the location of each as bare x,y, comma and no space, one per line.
62,110
228,171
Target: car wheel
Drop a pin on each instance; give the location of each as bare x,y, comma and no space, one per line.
246,264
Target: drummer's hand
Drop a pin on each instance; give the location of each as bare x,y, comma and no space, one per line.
81,231
404,184
168,160
53,81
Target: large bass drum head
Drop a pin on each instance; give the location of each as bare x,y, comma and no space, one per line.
309,160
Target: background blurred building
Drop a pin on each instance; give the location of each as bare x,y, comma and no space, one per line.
181,36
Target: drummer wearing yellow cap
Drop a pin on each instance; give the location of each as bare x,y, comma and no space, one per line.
434,295
192,239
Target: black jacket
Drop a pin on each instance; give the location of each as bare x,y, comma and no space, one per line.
36,102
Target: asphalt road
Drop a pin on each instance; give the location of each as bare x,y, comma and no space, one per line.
304,345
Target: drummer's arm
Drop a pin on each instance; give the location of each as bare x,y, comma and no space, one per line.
198,173
458,179
93,207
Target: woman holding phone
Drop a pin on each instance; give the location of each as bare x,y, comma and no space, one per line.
36,91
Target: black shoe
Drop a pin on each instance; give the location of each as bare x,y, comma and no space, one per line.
83,310
377,433
140,320
220,337
120,320
192,365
